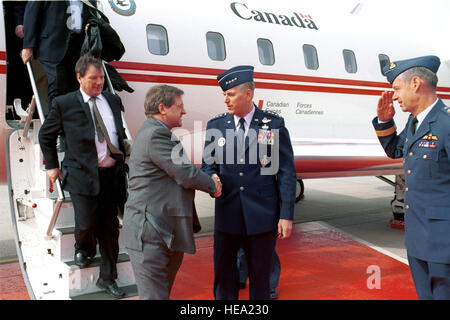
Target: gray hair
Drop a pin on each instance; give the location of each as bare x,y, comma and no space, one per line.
426,74
160,94
85,61
248,85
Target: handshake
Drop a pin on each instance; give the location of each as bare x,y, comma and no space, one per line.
216,180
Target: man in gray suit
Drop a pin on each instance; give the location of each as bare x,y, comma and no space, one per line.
160,216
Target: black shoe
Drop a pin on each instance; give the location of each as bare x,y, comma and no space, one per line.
81,260
273,293
111,288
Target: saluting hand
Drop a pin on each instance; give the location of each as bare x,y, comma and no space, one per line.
385,108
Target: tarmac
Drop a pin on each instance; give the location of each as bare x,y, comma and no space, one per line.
341,225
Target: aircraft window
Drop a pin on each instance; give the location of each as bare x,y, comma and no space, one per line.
216,46
384,61
265,51
310,55
157,39
350,61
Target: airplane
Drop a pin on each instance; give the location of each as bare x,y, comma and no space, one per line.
318,69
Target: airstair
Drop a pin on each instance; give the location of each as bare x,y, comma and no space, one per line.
43,220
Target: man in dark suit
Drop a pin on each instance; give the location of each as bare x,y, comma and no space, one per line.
250,151
160,214
53,34
92,169
425,146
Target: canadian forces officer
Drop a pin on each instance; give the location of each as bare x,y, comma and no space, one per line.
425,146
250,151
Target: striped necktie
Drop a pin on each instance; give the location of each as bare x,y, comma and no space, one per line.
102,133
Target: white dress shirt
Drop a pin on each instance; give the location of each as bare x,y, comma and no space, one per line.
104,159
421,116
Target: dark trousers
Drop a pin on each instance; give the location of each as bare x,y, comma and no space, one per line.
96,220
432,280
275,272
61,76
259,251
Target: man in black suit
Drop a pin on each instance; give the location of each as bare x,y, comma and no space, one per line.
92,169
53,34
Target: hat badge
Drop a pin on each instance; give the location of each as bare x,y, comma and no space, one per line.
231,81
392,66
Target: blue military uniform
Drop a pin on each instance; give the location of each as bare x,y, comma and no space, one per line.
252,203
258,188
427,189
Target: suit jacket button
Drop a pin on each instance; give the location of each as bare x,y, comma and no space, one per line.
241,174
241,188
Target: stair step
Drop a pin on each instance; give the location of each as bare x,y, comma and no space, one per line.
65,244
95,262
82,281
44,211
130,291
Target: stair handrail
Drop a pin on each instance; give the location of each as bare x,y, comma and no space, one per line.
59,190
111,89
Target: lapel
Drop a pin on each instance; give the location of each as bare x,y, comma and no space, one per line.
115,109
255,125
425,126
86,110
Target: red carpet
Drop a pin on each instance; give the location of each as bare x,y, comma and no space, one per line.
316,263
12,286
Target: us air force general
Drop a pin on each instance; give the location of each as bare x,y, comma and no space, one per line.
251,152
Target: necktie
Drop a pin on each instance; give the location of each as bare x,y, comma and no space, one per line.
241,132
240,138
102,133
413,125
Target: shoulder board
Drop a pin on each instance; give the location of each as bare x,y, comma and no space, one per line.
446,110
219,116
272,113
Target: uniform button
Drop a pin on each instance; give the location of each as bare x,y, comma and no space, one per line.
410,154
407,207
424,156
409,171
241,174
241,188
406,189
